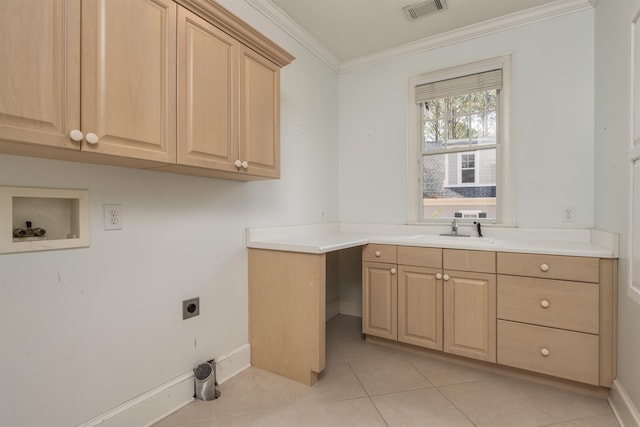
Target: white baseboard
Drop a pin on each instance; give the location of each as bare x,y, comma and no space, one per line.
150,406
333,309
156,404
623,407
231,364
351,308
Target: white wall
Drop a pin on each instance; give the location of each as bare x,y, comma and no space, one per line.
551,123
612,168
85,330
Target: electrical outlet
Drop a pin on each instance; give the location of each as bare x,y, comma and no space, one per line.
113,217
190,308
569,214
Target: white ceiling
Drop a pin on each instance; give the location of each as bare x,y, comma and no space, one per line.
352,29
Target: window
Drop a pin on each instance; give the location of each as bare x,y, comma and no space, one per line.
467,169
459,164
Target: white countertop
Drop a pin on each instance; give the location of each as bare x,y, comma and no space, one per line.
323,238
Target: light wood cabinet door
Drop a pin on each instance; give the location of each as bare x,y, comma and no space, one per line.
40,71
470,314
380,300
129,78
420,306
259,115
207,94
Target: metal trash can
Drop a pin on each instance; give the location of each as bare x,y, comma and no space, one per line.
206,386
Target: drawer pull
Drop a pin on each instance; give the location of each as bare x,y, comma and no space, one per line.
446,277
544,267
393,271
545,352
544,303
378,253
438,276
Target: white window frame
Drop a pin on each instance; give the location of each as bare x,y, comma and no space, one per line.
475,169
505,186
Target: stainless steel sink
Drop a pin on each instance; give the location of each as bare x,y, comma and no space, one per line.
461,239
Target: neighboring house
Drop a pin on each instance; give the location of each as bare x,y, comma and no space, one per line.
466,175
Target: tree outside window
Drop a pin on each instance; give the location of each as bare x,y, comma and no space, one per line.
459,154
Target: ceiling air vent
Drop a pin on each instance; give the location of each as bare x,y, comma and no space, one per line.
424,8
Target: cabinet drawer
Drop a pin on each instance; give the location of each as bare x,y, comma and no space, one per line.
571,355
560,304
380,253
421,257
550,266
462,260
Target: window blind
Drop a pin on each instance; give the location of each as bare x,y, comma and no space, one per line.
480,82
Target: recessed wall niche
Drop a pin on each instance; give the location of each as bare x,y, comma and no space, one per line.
40,219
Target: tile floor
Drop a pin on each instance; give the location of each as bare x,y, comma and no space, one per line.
370,385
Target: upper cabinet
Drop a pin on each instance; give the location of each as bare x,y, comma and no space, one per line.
228,105
129,78
181,86
259,115
40,69
207,94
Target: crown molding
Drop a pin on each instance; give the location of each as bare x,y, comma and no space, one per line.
540,13
291,27
231,24
491,26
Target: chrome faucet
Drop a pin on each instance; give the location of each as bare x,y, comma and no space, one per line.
454,227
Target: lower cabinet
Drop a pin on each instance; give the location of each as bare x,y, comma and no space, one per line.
420,306
557,352
556,316
380,291
549,314
411,299
470,314
287,313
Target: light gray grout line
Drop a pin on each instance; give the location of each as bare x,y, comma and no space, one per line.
408,360
455,406
368,395
533,403
378,411
470,382
358,379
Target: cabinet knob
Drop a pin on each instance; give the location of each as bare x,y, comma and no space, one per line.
76,135
238,163
544,267
545,352
92,138
544,303
438,276
245,165
446,277
393,271
378,253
